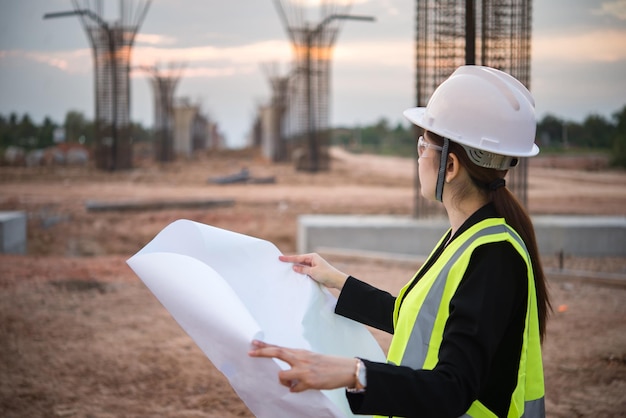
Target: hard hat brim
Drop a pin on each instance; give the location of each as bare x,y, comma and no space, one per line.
417,116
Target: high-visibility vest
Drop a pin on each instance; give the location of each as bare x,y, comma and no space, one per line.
419,325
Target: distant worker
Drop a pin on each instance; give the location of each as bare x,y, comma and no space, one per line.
467,328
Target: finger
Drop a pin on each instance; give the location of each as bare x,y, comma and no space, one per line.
293,385
286,381
258,344
266,352
306,259
289,379
302,269
261,349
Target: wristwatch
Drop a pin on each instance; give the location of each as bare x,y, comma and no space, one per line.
360,377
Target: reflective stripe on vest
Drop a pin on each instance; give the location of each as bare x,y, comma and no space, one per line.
534,408
432,295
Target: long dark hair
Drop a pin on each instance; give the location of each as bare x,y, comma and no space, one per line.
508,207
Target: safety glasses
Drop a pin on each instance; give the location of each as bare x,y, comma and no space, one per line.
422,146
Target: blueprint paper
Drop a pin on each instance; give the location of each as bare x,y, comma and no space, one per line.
226,289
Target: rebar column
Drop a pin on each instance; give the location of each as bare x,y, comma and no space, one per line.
495,33
111,47
164,85
310,84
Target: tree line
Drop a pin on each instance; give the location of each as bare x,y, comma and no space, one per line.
21,131
554,135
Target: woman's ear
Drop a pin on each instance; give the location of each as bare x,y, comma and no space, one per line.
452,167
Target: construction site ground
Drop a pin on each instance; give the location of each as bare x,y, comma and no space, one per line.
81,336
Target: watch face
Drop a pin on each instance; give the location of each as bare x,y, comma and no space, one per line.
362,375
360,378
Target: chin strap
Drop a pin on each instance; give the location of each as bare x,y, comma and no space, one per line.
441,175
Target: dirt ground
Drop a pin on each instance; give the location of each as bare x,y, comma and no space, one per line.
81,336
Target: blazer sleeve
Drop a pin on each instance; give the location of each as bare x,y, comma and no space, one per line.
366,304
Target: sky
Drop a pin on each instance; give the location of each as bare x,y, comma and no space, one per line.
578,64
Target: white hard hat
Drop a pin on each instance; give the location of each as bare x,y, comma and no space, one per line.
487,111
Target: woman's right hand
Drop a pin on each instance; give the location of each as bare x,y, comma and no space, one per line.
316,268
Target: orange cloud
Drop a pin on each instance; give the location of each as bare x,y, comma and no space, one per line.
154,39
392,53
73,62
262,51
601,45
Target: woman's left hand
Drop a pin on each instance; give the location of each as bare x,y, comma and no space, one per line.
308,370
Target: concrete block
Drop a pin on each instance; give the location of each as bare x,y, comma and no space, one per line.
13,232
585,236
588,236
385,234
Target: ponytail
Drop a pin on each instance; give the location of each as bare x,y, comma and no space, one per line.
509,207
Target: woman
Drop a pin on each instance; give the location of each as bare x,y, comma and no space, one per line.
467,328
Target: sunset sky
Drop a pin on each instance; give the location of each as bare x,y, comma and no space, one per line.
46,69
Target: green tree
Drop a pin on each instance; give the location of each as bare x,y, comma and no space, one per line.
46,133
597,132
573,135
139,133
89,133
373,136
26,133
13,120
75,126
550,131
401,141
4,132
619,138
8,131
